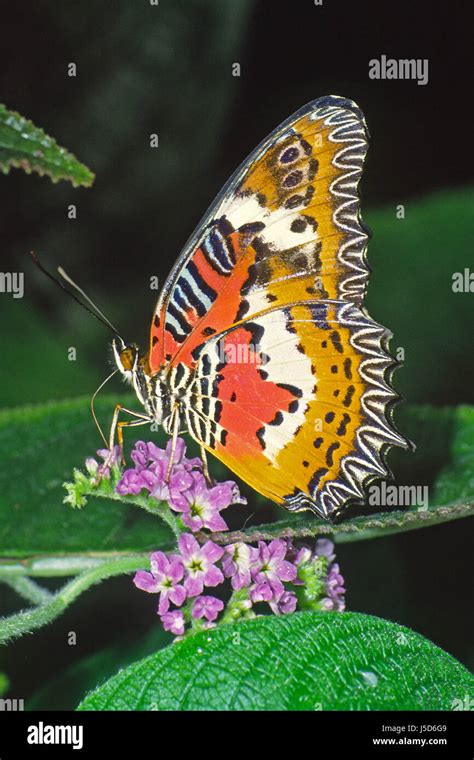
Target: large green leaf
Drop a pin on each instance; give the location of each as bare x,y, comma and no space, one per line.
25,146
40,446
306,661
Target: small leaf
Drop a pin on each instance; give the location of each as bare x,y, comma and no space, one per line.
27,147
305,661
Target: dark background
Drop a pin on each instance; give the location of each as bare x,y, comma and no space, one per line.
168,70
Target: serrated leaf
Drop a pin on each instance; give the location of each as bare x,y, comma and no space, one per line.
27,147
305,661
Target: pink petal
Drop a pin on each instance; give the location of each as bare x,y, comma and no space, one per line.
194,586
213,576
211,551
146,582
286,571
178,595
188,545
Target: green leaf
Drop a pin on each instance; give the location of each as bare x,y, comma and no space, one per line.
39,447
26,147
305,661
456,480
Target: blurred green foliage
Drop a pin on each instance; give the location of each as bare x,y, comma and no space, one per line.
411,292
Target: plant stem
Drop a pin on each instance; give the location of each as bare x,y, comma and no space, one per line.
28,620
28,589
60,565
159,508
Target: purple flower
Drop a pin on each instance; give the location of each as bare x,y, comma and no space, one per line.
131,482
271,566
164,490
207,607
153,479
140,455
199,562
335,588
237,562
152,472
174,622
261,592
155,454
112,458
166,572
201,505
285,604
325,548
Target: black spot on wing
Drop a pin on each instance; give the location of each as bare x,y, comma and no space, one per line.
346,418
348,397
336,341
329,453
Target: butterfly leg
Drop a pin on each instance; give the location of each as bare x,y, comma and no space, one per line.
116,426
175,424
207,474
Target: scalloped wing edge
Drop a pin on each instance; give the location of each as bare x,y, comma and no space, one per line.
377,435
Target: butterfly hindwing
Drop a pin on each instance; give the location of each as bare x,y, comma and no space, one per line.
295,402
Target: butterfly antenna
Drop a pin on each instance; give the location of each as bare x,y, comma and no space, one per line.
95,311
73,284
94,416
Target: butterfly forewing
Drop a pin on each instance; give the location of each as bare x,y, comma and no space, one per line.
285,228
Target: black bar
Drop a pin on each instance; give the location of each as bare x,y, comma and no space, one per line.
304,734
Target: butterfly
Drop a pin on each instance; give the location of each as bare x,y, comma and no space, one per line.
260,346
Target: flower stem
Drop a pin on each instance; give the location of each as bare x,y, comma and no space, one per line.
82,487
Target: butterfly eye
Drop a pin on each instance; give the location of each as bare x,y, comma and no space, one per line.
127,358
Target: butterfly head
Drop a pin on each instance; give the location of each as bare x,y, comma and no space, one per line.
127,358
152,391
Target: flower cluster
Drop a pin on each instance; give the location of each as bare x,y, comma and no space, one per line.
276,573
279,574
172,477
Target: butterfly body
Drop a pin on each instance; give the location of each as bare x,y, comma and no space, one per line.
260,345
